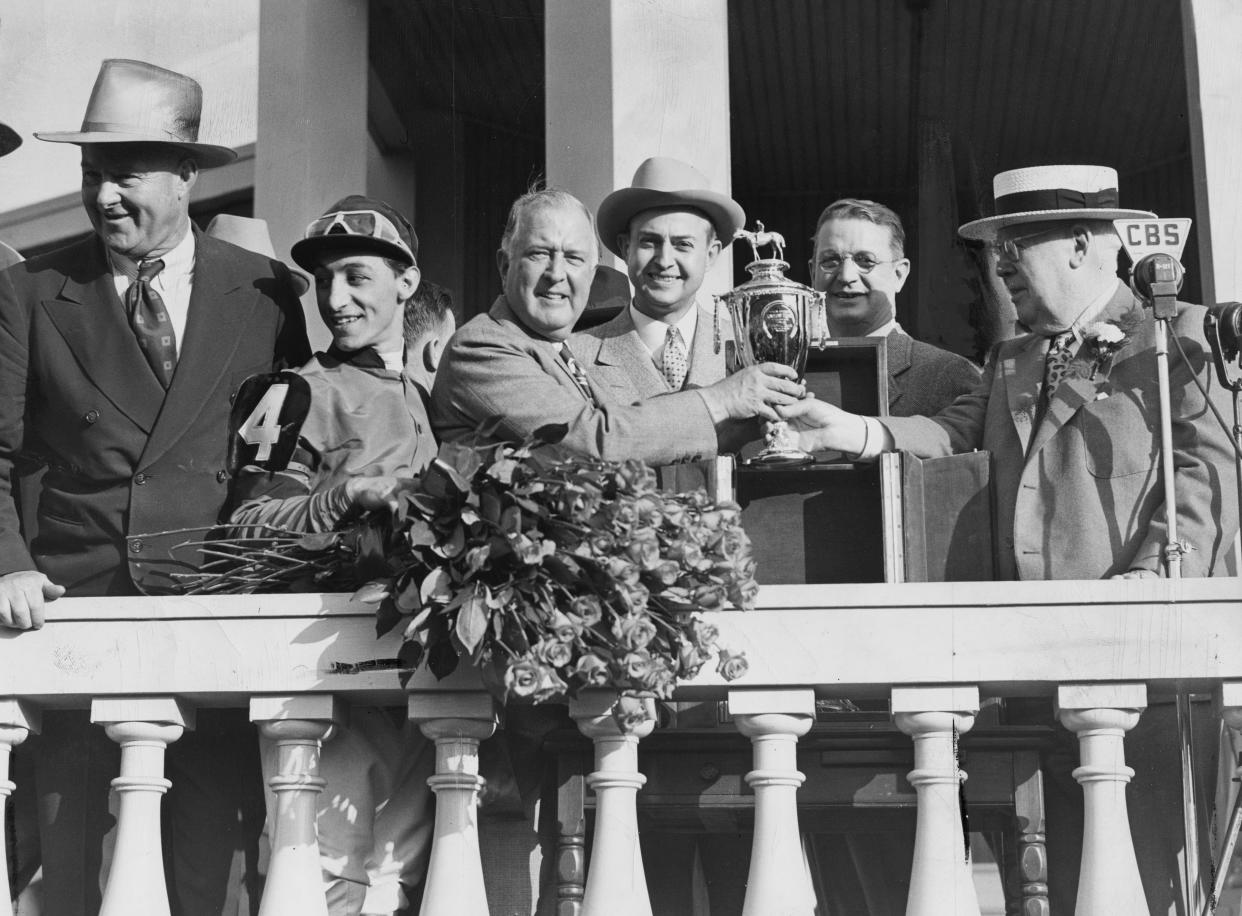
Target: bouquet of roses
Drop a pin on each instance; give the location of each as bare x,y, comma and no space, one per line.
549,572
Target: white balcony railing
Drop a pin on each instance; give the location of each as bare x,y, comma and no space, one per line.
1102,649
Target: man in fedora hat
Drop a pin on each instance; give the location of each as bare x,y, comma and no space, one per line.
1068,412
9,141
669,228
118,357
860,264
515,370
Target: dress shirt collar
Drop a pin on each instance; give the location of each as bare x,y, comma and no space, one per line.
887,328
178,262
1092,311
652,331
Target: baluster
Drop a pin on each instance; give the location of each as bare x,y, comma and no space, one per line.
143,727
616,882
1100,715
456,722
1028,802
773,720
298,725
17,721
1228,702
940,881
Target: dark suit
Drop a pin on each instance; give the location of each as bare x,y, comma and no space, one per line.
125,458
923,379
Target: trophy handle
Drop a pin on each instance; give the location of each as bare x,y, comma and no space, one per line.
818,333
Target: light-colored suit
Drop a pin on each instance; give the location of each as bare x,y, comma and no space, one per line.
1081,496
494,369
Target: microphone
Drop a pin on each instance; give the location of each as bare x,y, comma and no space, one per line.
1157,279
1222,326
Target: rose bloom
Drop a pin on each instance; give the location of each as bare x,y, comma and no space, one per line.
650,510
631,712
644,549
522,677
636,477
622,571
705,634
708,597
689,658
553,652
731,666
565,628
635,632
744,592
592,669
660,677
550,686
637,663
588,608
686,552
666,572
674,513
636,595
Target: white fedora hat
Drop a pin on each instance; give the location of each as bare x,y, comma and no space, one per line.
1046,193
665,182
253,235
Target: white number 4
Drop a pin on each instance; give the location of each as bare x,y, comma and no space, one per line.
262,427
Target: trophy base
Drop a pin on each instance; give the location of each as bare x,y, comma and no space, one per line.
780,458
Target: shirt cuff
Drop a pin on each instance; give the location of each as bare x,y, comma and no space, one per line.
877,440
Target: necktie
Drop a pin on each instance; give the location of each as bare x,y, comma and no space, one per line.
1055,363
674,359
152,326
576,372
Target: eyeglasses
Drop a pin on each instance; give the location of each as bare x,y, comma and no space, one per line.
366,223
1011,249
865,261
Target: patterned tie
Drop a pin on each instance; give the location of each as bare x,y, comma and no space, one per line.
152,326
576,372
674,359
1060,350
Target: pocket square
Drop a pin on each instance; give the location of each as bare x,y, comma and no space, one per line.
1101,395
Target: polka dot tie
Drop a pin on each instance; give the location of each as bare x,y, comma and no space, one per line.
576,372
149,318
1060,351
674,359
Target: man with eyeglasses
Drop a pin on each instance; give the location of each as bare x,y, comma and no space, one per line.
860,265
118,356
1069,413
514,370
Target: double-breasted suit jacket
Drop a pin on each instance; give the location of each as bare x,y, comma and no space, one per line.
495,370
923,379
125,459
1079,495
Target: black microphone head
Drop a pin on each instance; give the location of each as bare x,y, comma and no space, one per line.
1157,274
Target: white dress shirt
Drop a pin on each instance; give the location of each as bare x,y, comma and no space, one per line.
173,283
653,332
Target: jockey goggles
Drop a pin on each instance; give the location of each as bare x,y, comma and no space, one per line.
365,223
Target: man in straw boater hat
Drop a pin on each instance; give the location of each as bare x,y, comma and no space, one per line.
118,357
515,365
1069,413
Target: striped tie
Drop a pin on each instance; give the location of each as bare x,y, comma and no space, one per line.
674,359
148,316
576,372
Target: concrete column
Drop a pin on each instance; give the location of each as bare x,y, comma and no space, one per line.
630,79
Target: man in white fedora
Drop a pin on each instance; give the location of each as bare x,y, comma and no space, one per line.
1069,413
669,227
118,357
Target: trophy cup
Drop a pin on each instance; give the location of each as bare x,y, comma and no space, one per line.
775,320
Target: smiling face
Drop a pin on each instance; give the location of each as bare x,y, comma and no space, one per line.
137,196
362,300
858,303
667,254
548,266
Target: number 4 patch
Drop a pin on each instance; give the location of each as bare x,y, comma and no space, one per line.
267,416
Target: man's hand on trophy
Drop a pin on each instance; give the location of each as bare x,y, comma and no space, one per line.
753,392
822,426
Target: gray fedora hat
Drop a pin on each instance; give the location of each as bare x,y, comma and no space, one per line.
253,235
663,182
137,102
9,140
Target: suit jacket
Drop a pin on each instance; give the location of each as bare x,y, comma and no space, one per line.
614,355
126,460
923,379
1080,495
496,369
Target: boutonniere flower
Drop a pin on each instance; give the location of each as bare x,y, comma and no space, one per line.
1101,342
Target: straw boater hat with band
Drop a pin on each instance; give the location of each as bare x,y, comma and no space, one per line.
137,102
662,182
1048,193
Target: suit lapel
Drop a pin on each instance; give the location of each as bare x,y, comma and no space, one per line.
622,348
706,365
1022,367
220,309
898,345
91,319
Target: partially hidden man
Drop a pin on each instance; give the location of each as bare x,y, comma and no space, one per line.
352,434
514,372
118,356
860,265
